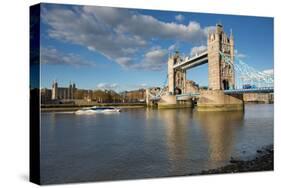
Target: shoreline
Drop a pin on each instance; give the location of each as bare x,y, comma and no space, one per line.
64,108
71,107
263,161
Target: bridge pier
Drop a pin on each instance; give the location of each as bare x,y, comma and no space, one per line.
170,101
216,100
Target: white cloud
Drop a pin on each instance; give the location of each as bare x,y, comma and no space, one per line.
179,18
269,72
197,50
118,34
55,57
239,55
107,86
173,47
143,85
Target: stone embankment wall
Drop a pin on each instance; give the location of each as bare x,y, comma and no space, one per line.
258,98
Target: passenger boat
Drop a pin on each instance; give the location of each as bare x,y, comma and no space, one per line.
98,109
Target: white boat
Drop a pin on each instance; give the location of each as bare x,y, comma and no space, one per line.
98,109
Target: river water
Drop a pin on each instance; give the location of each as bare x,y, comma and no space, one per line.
142,143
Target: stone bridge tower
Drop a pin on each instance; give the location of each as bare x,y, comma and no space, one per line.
55,90
176,77
221,74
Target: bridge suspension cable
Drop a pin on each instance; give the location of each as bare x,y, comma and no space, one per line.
162,90
163,86
247,76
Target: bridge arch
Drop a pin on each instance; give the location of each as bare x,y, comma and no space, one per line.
178,91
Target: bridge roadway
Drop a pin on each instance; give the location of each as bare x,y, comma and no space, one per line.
251,90
194,61
231,91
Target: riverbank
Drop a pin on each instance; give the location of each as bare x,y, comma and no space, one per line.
263,161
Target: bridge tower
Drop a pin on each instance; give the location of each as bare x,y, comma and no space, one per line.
221,74
176,77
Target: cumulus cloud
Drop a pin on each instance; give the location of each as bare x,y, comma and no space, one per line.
153,60
55,57
118,34
179,18
197,50
124,61
209,29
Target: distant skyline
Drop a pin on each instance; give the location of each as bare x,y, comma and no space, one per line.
124,49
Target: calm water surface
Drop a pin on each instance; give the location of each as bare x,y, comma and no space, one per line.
139,143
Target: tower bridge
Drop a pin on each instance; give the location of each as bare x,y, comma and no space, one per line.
227,78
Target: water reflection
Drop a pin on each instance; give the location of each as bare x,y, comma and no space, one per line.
220,130
176,123
194,139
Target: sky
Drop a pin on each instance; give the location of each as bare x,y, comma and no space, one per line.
125,49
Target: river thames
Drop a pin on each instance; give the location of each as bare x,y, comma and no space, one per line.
143,143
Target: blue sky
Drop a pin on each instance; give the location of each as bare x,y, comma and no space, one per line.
124,49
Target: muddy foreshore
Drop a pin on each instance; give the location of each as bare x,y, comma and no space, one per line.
262,162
